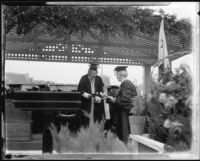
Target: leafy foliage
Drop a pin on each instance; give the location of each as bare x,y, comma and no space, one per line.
62,21
139,106
169,110
92,139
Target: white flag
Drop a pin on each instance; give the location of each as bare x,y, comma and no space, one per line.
162,49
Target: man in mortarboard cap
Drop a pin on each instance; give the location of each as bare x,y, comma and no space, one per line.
123,102
91,85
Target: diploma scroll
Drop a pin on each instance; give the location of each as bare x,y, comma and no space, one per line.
106,107
107,110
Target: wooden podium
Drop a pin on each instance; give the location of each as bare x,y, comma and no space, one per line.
48,103
47,100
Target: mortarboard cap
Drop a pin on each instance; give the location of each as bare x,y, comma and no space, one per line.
120,68
94,66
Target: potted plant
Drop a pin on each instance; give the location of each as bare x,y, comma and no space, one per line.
137,116
169,110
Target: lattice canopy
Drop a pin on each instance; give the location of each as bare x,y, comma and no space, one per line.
141,49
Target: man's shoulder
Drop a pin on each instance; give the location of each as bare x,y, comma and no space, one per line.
98,77
128,83
84,77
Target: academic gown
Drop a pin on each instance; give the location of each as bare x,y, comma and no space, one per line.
85,86
124,102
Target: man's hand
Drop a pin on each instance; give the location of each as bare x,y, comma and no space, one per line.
112,99
87,95
104,96
97,99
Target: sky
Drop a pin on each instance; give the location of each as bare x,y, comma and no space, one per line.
181,9
70,73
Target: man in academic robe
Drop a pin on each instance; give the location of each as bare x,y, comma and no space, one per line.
123,103
91,86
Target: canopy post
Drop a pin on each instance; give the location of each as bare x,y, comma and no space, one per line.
147,79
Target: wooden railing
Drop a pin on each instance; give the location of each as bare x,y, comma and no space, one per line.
146,145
